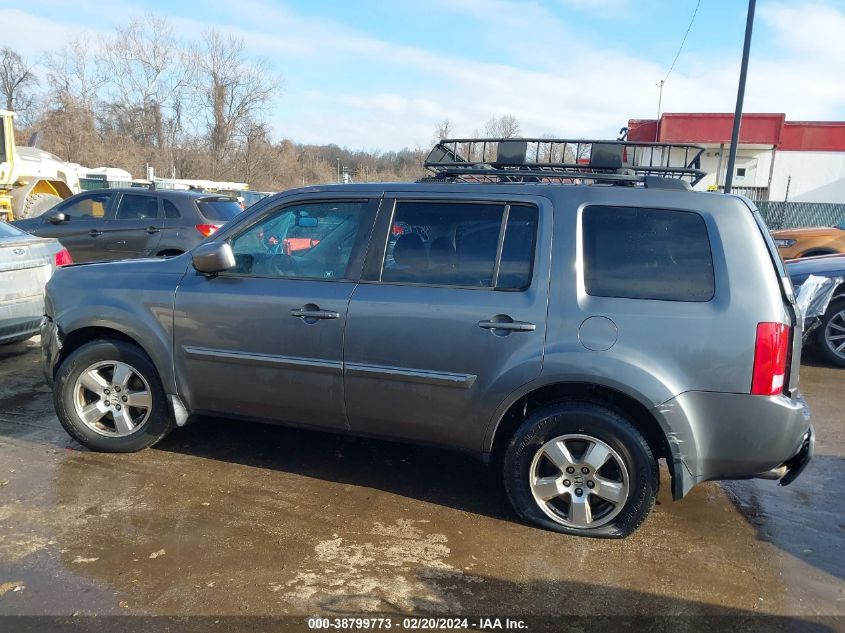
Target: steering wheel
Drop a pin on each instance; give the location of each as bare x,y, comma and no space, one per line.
284,265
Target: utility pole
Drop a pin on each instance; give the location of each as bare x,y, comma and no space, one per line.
338,171
740,97
659,106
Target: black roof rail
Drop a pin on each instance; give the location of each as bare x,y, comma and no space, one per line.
565,161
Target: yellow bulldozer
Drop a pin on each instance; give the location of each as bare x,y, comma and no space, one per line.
31,180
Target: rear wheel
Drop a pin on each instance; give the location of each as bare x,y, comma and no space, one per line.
830,335
37,203
109,398
581,469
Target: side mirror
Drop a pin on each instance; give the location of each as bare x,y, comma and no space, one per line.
212,258
57,217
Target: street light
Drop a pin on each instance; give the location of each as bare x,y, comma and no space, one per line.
740,96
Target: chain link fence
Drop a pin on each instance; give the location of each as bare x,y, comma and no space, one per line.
788,215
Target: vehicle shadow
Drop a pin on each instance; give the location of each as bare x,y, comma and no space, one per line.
429,474
799,519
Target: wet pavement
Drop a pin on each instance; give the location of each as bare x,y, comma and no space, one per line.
231,518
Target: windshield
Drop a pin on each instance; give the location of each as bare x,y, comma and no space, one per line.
9,231
218,209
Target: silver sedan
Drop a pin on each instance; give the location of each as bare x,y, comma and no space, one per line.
26,263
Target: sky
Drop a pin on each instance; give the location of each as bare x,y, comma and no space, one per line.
381,74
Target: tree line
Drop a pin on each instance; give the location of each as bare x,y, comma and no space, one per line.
142,96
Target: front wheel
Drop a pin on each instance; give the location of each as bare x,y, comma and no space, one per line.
109,398
581,469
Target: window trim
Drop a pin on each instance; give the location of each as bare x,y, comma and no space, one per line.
582,254
374,266
359,249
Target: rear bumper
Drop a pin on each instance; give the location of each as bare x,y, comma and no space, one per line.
736,436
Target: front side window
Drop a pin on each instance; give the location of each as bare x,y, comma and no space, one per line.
639,253
134,207
458,244
311,241
92,207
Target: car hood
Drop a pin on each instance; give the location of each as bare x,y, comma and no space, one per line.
150,265
816,231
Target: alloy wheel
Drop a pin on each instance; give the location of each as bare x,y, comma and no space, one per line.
834,334
579,481
112,398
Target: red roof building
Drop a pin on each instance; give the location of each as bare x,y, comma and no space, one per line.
776,159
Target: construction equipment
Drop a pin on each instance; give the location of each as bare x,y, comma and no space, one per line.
31,180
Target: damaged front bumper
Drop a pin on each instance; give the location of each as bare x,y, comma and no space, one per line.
51,346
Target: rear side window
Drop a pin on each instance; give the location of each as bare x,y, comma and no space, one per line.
218,209
134,207
458,244
639,253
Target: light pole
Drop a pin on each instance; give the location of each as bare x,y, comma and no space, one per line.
740,96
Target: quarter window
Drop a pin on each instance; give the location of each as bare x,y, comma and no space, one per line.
170,210
638,253
306,241
458,244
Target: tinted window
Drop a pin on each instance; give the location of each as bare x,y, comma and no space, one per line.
647,254
92,207
134,207
312,241
219,209
456,244
170,210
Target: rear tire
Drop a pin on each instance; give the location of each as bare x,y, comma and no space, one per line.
618,492
96,407
830,322
38,203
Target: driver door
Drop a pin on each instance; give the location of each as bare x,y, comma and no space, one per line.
265,339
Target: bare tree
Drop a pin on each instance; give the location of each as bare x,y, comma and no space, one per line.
505,126
233,90
445,129
147,76
17,82
75,73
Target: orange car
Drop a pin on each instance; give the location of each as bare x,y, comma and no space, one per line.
820,240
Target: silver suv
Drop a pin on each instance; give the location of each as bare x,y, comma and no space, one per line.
570,320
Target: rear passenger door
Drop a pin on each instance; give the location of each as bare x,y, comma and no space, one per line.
449,317
136,228
82,231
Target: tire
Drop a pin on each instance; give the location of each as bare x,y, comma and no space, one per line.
153,421
836,313
38,203
584,426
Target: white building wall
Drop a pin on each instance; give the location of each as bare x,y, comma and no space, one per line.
809,172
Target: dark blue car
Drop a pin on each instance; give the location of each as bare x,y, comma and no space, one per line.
829,336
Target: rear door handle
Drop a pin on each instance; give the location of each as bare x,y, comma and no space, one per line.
95,233
152,229
311,313
510,326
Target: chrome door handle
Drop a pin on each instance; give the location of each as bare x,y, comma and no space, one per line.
308,314
510,326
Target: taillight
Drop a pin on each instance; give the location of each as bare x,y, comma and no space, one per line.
63,258
770,354
208,229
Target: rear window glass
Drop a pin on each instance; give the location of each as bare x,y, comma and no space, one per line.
639,253
219,209
9,231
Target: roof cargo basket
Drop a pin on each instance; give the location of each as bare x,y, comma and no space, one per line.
565,161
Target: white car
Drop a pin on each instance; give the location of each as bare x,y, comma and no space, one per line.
26,264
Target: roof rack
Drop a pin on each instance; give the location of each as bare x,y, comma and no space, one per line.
565,161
